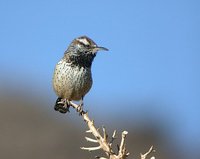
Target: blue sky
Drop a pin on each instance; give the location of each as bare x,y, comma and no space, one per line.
154,53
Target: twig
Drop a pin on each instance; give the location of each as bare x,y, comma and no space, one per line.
113,138
103,144
91,148
91,140
143,156
103,140
122,149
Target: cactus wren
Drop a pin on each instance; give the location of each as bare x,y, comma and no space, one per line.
72,77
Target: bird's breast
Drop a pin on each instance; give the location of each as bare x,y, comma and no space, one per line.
70,81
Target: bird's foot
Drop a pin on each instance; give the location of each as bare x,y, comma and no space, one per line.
80,109
61,105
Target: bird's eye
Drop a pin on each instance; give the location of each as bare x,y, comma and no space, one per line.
87,46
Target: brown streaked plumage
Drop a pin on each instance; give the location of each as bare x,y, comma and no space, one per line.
72,77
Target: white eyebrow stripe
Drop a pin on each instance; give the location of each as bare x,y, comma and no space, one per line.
84,41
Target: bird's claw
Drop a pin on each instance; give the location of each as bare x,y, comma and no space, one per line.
80,109
61,106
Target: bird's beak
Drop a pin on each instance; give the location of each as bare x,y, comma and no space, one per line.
99,48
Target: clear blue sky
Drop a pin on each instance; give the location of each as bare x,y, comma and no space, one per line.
154,53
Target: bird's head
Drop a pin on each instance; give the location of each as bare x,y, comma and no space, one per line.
83,49
82,46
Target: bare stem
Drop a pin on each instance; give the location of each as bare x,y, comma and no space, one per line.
103,142
144,156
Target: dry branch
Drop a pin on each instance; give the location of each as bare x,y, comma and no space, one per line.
144,156
103,142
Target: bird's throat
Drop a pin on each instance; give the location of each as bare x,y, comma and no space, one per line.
82,60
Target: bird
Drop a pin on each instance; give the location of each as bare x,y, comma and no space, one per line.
72,78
